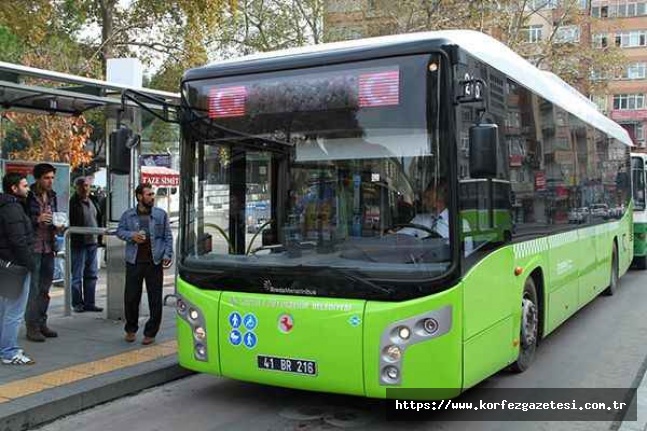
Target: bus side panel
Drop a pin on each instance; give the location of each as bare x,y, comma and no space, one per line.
434,362
563,289
206,303
624,233
491,295
584,253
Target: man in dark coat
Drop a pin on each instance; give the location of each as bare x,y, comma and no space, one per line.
16,245
84,211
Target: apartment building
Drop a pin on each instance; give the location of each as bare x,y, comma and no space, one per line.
619,22
624,23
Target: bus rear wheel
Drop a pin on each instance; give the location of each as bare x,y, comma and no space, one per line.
529,327
613,278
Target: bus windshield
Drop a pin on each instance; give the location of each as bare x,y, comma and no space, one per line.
327,181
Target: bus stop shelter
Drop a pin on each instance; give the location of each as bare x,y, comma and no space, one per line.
39,91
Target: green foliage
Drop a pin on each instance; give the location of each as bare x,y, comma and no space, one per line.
11,48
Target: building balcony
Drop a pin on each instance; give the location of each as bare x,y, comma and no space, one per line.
627,115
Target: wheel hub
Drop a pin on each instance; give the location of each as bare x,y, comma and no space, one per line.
529,322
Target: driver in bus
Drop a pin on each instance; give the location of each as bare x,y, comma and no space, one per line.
434,200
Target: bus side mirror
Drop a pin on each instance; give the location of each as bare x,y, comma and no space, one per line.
122,141
483,143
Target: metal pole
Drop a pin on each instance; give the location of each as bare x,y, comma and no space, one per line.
68,261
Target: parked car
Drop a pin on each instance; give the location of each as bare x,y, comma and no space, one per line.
600,210
579,215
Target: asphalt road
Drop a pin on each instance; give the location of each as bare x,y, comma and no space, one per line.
602,346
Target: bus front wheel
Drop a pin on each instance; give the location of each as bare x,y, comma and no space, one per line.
613,278
529,327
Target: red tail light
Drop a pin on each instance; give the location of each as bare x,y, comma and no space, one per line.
227,102
379,89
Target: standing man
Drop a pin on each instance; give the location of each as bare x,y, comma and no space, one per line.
41,203
16,245
149,245
84,211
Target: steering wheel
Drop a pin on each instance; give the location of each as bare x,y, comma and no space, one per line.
432,233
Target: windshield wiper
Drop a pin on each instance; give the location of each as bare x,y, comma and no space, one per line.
365,282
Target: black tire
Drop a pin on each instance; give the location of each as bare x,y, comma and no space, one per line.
614,280
529,330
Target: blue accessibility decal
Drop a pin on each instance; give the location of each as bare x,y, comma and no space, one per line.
235,319
235,337
250,340
250,322
355,320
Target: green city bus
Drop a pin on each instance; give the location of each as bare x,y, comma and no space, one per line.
638,161
375,266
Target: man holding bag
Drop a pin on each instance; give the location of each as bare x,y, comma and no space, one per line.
16,265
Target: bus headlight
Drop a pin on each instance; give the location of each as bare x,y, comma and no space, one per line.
180,306
193,314
199,333
399,335
391,373
404,333
200,351
430,325
195,318
393,353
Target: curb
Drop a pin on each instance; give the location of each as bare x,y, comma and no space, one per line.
39,409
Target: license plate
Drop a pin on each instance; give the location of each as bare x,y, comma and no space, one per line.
296,366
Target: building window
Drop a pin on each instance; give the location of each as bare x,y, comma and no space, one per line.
635,71
629,39
628,101
542,4
534,33
600,102
600,40
624,9
568,34
639,131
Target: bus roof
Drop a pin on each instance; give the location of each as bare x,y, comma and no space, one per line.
480,45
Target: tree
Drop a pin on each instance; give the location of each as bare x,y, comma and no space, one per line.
11,48
52,138
266,25
152,29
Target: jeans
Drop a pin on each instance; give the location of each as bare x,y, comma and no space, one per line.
135,276
84,274
41,281
11,314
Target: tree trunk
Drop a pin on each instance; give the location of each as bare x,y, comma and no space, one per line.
107,8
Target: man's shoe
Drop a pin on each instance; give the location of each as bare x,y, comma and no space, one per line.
92,308
48,332
34,334
148,340
79,308
130,337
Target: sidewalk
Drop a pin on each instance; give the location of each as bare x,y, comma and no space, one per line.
88,364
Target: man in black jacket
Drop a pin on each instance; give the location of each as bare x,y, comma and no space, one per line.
16,245
84,211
